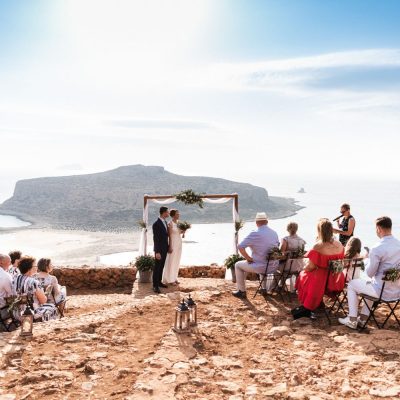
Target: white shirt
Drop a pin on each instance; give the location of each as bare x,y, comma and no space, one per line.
383,256
5,286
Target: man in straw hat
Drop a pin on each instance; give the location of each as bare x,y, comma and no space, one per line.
260,242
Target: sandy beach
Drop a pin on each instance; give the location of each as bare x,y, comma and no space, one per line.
68,247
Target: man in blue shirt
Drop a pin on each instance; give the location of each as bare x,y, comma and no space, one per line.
260,241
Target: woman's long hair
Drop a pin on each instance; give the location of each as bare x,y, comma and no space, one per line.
353,248
325,230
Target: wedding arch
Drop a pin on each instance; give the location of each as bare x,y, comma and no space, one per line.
206,198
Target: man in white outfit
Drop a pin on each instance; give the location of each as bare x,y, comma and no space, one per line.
260,241
383,256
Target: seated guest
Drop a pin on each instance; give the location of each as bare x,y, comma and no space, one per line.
56,293
26,284
15,257
292,243
383,256
312,280
260,242
352,251
5,284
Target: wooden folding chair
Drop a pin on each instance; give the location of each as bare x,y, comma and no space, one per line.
285,274
7,319
59,305
351,266
391,275
275,276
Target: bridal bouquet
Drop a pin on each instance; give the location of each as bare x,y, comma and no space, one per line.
189,197
183,226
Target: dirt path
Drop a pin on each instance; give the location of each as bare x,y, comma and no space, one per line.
121,346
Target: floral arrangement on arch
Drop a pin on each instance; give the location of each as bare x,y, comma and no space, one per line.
142,224
189,197
239,225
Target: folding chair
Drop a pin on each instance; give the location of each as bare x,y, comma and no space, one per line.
351,266
14,303
287,273
334,267
8,320
59,305
269,275
392,275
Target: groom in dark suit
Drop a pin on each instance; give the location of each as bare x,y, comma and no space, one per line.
161,245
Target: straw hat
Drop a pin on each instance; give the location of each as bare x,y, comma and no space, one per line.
261,216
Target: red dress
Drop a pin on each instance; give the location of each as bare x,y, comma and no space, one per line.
311,285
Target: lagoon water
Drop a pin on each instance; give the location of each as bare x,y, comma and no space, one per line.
9,221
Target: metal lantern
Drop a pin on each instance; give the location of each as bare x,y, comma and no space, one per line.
182,318
27,322
192,310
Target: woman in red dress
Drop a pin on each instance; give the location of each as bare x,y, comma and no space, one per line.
311,282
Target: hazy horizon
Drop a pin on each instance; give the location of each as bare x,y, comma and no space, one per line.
200,87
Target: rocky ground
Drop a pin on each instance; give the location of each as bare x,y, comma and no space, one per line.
121,346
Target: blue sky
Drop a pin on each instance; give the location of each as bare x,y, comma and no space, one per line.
90,85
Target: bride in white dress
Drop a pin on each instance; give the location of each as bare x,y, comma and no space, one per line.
173,260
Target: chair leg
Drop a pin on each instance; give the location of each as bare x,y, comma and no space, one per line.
371,310
390,314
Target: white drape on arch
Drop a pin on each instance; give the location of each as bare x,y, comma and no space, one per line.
143,235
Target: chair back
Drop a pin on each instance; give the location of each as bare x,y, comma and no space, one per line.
351,265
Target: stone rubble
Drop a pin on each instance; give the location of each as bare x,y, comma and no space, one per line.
122,347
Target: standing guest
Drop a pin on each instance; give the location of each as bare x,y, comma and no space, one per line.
383,256
173,260
312,280
15,257
27,284
346,225
352,251
58,293
260,241
161,248
5,284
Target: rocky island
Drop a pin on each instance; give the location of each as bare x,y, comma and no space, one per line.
113,200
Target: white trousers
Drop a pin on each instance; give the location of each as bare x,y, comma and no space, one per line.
354,288
241,269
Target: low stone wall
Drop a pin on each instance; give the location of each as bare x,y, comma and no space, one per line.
202,271
89,277
95,277
207,271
